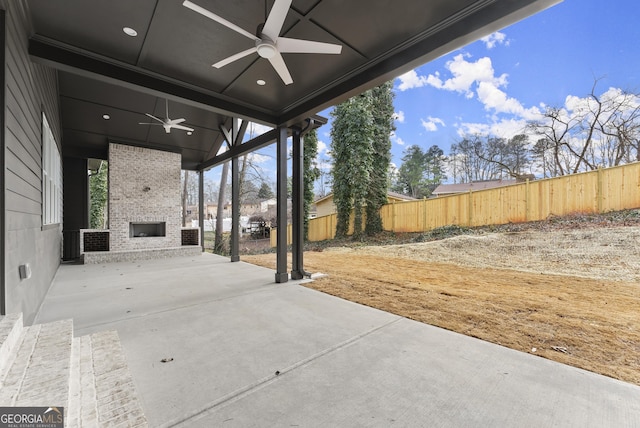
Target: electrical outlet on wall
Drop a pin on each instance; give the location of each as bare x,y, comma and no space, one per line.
25,271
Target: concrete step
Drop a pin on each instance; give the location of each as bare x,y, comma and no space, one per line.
39,372
101,389
43,365
10,337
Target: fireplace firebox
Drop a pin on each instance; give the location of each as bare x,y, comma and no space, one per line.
145,230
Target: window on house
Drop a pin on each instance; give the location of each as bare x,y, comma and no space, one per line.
51,177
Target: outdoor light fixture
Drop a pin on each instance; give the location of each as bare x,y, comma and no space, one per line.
106,117
261,82
130,31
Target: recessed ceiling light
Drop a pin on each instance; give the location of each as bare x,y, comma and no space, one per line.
106,117
189,132
130,31
261,82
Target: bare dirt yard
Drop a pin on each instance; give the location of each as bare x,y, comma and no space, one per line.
566,289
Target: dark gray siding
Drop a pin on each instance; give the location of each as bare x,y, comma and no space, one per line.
30,89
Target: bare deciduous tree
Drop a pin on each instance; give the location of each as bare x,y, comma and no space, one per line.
590,132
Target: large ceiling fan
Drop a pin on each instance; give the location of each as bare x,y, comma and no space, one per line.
167,123
268,43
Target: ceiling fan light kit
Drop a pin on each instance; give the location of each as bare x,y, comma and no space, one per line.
269,45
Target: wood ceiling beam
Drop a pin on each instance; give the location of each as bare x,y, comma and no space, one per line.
115,72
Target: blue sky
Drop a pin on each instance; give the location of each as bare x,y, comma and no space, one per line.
496,84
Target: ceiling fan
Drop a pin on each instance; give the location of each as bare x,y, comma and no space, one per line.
268,44
167,123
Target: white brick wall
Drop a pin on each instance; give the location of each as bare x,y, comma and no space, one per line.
144,186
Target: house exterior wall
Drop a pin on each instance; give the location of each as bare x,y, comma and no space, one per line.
30,90
144,187
325,206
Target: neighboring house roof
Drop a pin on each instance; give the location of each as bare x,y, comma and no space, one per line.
450,189
399,196
390,195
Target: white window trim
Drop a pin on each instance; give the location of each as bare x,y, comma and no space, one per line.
51,177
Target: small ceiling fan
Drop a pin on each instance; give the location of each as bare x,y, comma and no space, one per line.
268,44
167,123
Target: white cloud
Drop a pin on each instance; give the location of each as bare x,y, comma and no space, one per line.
411,80
431,124
497,100
465,74
255,129
259,158
506,128
395,139
322,147
399,116
495,39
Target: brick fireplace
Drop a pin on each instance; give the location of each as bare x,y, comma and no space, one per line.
144,198
144,207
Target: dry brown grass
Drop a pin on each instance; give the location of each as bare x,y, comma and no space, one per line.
594,319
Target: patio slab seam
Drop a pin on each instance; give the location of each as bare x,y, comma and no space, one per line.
264,288
266,381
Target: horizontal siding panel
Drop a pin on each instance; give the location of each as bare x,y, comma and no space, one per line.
13,117
21,221
28,112
15,165
16,146
17,184
21,204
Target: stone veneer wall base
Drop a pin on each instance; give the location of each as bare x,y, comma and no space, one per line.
96,257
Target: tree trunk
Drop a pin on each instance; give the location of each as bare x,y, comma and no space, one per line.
184,198
218,246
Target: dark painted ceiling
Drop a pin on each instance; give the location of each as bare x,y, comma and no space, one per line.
105,71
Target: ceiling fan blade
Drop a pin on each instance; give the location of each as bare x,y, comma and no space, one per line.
176,121
286,45
147,123
167,129
153,117
276,18
281,68
184,128
202,11
235,57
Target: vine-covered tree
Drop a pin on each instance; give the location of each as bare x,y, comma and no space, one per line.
98,195
382,111
360,145
311,174
352,135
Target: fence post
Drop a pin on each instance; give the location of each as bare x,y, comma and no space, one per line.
424,212
527,201
393,216
470,219
600,190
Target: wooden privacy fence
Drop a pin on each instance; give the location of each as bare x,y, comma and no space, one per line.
603,190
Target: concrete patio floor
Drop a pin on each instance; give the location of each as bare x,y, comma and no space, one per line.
249,352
